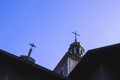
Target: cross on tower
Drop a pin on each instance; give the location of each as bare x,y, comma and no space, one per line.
75,35
30,50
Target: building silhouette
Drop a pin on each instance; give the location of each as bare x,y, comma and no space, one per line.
16,68
97,64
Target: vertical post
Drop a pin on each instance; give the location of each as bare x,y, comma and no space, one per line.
30,51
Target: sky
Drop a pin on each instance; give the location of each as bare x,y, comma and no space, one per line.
49,23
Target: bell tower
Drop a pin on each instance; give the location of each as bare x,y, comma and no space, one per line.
71,58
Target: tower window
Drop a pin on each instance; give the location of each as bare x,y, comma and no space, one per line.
77,50
81,51
74,50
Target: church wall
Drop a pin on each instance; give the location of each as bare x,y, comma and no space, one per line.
71,64
63,69
97,71
105,72
8,72
11,71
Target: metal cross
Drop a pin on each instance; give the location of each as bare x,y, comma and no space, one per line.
30,50
32,45
75,35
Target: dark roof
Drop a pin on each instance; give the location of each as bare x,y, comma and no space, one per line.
108,56
40,71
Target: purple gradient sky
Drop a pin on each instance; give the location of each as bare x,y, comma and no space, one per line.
49,23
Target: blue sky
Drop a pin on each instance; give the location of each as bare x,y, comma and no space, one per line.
49,23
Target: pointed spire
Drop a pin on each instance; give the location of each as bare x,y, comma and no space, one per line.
30,50
75,33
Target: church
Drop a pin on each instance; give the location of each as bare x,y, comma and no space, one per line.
96,64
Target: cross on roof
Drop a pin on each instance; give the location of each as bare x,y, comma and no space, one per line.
32,45
75,33
30,50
